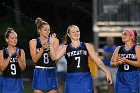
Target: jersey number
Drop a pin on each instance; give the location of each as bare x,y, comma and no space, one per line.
46,58
126,67
13,68
78,58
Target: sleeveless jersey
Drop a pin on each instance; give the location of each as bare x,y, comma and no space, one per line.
13,69
45,60
130,55
77,58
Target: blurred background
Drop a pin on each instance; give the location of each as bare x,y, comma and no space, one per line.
97,19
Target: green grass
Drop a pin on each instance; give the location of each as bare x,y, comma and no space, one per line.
28,87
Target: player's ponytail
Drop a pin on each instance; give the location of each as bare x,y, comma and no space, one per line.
67,37
40,22
136,37
8,31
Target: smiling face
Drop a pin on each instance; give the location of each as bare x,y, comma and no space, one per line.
12,39
44,30
126,37
74,33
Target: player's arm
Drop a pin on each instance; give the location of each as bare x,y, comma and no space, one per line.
55,55
56,45
98,61
22,60
114,59
4,63
34,54
135,63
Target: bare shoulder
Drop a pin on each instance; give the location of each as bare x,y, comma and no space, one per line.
88,45
32,42
118,47
1,51
137,47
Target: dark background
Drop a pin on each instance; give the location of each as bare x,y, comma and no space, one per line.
58,13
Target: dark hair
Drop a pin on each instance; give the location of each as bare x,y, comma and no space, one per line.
68,39
68,30
8,31
136,37
40,22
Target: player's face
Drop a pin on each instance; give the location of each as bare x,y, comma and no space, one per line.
126,36
45,31
74,33
12,39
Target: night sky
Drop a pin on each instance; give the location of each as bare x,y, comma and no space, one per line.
58,13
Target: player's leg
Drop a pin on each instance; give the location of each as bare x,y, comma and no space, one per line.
52,91
38,91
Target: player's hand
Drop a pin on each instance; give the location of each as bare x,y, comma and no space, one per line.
18,53
108,77
45,45
121,60
53,38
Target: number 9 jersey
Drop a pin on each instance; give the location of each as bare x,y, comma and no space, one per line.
13,69
12,81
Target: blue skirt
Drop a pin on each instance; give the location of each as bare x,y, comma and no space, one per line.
127,82
0,83
44,79
79,82
12,85
139,81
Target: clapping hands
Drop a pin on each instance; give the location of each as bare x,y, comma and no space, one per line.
53,39
121,60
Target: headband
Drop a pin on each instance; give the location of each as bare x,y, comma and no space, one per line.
131,33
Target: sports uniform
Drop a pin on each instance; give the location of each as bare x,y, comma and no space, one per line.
127,78
45,71
78,78
11,79
0,81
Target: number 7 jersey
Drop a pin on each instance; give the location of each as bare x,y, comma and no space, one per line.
77,58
